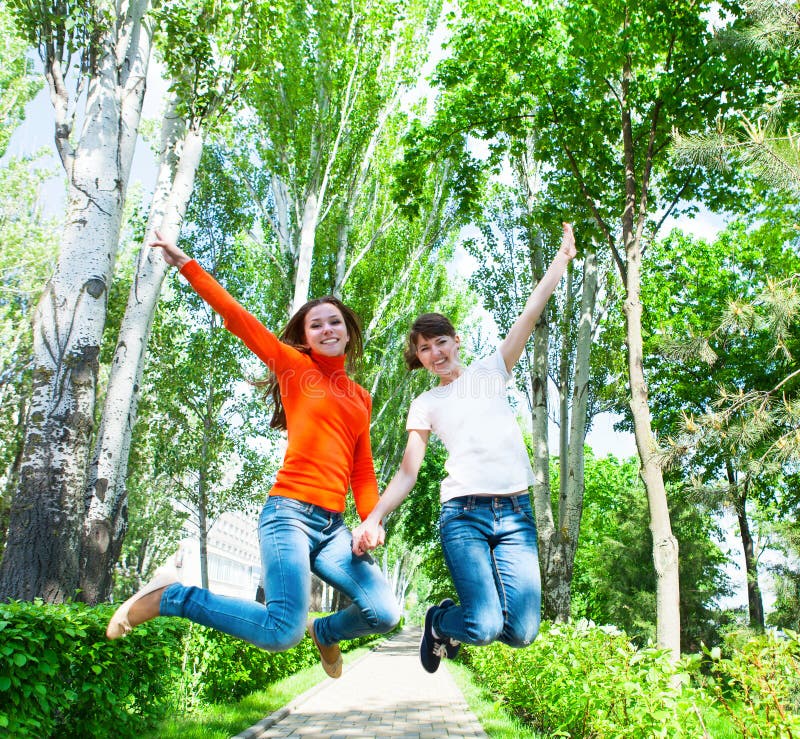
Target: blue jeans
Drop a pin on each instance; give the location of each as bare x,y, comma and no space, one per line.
491,550
296,539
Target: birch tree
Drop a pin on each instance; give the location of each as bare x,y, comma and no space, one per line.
95,57
209,72
512,253
332,84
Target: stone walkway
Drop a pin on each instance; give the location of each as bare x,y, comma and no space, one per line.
386,693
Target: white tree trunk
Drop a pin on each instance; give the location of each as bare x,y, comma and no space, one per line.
41,557
665,545
308,231
106,501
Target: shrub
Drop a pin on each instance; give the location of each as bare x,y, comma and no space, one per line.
591,682
756,679
59,675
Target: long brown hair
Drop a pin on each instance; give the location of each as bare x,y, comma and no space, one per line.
427,326
294,334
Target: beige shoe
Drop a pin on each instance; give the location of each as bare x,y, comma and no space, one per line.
139,607
331,657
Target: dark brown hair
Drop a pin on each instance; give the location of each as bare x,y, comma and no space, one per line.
294,334
427,326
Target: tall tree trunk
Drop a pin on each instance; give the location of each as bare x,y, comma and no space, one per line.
106,498
558,551
42,552
755,604
665,545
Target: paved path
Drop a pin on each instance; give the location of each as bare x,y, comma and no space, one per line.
384,694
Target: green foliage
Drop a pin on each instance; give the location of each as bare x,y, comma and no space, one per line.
785,612
219,668
60,676
575,681
614,582
17,82
578,681
212,50
756,679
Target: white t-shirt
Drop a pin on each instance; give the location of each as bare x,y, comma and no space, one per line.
472,417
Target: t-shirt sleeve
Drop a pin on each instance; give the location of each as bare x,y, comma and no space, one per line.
418,416
496,362
362,478
257,337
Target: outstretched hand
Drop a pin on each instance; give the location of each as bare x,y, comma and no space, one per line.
173,255
567,242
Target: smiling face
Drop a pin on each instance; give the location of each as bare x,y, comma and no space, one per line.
439,355
325,330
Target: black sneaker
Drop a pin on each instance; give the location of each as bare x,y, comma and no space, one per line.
451,646
431,649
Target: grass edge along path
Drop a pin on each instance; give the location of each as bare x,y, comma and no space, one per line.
496,720
224,720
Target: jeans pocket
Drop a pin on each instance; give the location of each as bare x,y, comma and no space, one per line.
451,513
527,512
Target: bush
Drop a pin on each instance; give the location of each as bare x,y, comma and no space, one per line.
580,681
220,668
59,675
756,679
590,682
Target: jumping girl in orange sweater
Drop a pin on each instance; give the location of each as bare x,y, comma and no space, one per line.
301,530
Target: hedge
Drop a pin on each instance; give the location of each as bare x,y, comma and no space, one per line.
586,681
59,675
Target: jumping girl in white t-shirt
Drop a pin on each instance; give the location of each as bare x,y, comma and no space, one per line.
487,527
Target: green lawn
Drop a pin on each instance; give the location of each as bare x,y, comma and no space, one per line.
496,721
223,720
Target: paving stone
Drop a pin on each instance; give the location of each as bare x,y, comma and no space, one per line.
384,694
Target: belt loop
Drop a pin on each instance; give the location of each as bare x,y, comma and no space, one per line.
516,503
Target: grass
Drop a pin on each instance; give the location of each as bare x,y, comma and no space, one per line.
223,720
496,721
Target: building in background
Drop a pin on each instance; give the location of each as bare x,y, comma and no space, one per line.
234,558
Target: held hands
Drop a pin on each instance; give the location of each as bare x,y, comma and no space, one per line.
567,242
368,535
173,256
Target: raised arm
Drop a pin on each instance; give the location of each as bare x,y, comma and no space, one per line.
513,345
257,337
173,255
368,535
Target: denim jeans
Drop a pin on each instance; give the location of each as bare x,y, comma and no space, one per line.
296,539
491,550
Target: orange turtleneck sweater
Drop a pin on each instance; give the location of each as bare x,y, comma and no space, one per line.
327,414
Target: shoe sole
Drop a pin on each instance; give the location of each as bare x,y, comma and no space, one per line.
119,625
332,669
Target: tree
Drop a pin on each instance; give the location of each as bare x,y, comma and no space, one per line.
28,247
108,50
334,81
205,422
688,285
208,72
511,256
765,143
602,84
614,583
